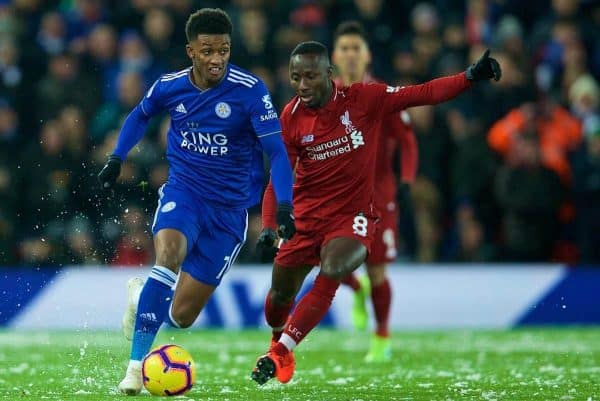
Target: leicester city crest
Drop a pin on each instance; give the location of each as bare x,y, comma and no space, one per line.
223,110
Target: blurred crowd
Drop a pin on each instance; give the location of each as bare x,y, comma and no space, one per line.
508,172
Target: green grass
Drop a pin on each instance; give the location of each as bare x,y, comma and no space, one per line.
532,364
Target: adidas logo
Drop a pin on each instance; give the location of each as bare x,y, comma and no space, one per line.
149,316
180,108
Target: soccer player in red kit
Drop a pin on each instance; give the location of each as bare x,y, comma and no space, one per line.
352,57
332,138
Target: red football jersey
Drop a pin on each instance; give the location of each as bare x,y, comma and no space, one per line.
334,147
397,136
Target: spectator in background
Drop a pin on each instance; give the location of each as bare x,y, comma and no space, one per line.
159,31
426,43
134,246
253,39
586,171
101,57
559,133
472,165
81,248
134,56
471,246
529,195
52,36
47,182
12,79
81,17
427,203
64,84
130,89
9,182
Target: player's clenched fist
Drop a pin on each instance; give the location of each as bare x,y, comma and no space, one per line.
285,221
484,68
266,248
110,172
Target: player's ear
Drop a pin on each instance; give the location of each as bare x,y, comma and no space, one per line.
369,56
190,51
330,72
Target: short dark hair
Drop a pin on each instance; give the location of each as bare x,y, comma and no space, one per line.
210,21
311,47
350,28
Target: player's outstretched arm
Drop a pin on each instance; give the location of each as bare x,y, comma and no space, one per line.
441,89
132,131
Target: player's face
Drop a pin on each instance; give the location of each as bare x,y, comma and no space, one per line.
351,56
310,77
210,55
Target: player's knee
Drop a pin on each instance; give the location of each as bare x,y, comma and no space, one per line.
337,267
281,296
184,318
170,254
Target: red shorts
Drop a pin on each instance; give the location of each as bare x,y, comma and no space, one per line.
305,246
384,249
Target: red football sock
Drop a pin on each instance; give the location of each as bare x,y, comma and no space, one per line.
276,315
351,281
381,295
310,310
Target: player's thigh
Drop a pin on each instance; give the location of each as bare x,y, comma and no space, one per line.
287,281
341,256
189,299
217,246
175,227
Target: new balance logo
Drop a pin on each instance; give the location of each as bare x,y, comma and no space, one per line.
357,139
181,108
149,317
307,139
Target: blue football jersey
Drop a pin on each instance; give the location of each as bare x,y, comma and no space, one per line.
212,143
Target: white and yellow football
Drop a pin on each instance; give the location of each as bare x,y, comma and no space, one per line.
168,370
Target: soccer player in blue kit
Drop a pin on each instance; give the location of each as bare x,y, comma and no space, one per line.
221,117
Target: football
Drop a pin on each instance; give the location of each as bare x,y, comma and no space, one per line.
168,370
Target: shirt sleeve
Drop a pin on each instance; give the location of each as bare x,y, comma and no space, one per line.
135,124
263,115
267,127
386,99
152,103
269,204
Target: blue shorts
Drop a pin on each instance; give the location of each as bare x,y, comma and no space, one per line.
214,236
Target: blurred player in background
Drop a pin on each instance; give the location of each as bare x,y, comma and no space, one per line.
351,57
332,137
219,114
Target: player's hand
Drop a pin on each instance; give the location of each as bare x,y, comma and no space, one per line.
485,68
265,247
285,221
109,174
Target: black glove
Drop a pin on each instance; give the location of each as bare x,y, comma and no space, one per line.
285,221
109,174
265,247
485,68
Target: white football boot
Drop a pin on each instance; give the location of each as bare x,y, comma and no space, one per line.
132,383
134,288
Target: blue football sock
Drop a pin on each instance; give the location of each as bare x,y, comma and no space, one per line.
153,309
